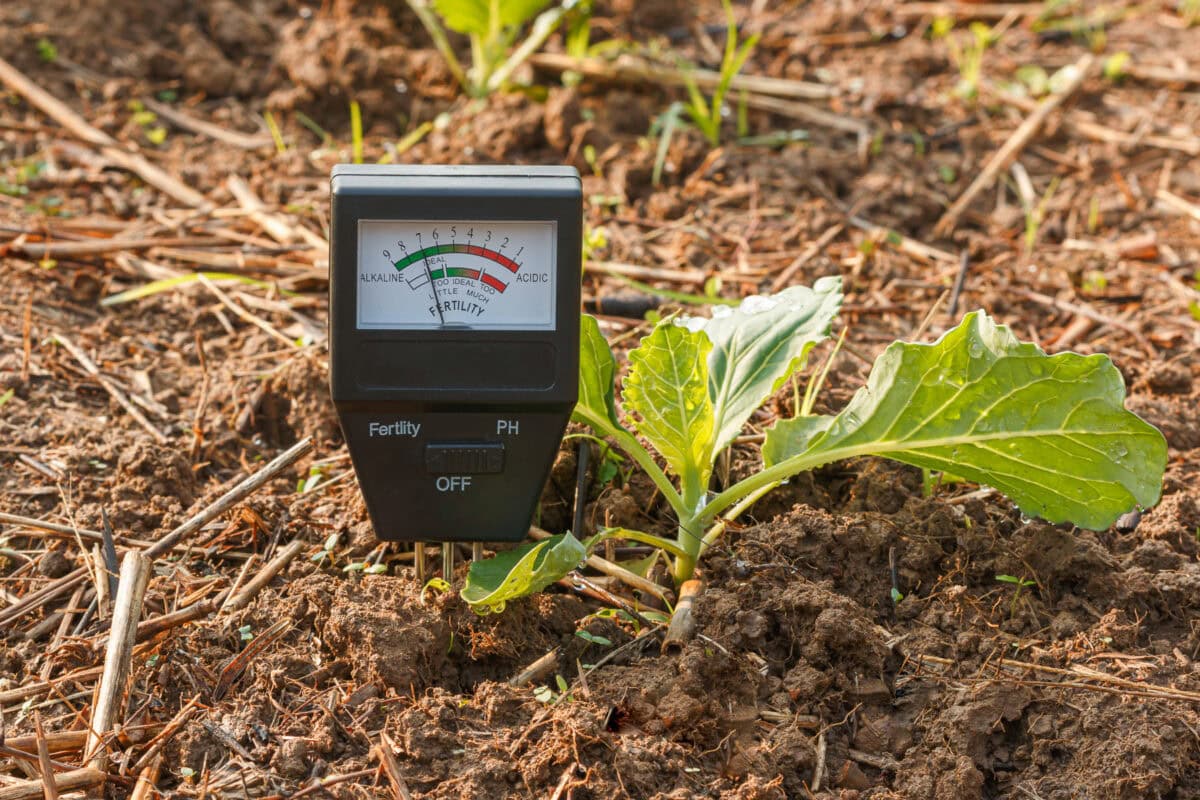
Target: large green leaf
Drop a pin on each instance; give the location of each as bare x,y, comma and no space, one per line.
1051,432
475,16
758,345
788,437
596,371
526,569
667,387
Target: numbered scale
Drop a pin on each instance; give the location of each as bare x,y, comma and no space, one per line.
454,341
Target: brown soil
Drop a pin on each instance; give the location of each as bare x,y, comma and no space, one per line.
853,640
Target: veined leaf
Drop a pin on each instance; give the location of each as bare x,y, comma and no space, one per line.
1051,432
758,345
491,583
475,16
667,387
789,437
596,371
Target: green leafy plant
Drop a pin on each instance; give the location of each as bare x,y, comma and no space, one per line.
46,50
1051,432
544,694
154,133
968,58
1189,12
494,28
707,113
588,636
327,550
1020,583
1116,66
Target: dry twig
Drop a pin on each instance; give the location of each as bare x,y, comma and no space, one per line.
127,607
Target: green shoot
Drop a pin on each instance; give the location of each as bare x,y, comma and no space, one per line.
276,133
494,29
1093,216
1020,583
1116,66
308,122
1034,215
46,50
707,114
544,694
1050,432
1189,12
665,124
588,636
595,239
356,132
968,58
433,586
307,484
326,551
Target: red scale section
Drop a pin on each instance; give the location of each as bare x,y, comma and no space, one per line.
495,284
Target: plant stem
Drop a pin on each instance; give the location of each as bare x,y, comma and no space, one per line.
714,533
543,26
434,28
633,448
685,565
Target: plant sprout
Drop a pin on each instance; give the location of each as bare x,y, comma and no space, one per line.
1050,431
707,113
493,28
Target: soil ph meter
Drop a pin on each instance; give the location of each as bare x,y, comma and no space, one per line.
454,340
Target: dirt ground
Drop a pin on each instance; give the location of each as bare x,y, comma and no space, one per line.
806,677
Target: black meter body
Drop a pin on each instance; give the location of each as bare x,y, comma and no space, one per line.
454,340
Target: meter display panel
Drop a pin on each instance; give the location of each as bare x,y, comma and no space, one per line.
456,274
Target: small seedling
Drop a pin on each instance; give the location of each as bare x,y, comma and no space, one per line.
147,120
1116,66
433,586
663,127
276,133
310,482
494,29
588,636
245,633
968,58
1051,432
595,239
326,551
304,119
356,132
47,51
544,694
1020,583
708,113
1189,12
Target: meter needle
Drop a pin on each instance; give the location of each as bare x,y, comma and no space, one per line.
437,303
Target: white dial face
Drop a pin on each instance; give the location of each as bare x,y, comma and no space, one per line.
456,274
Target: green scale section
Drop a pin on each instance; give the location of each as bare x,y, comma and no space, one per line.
432,250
